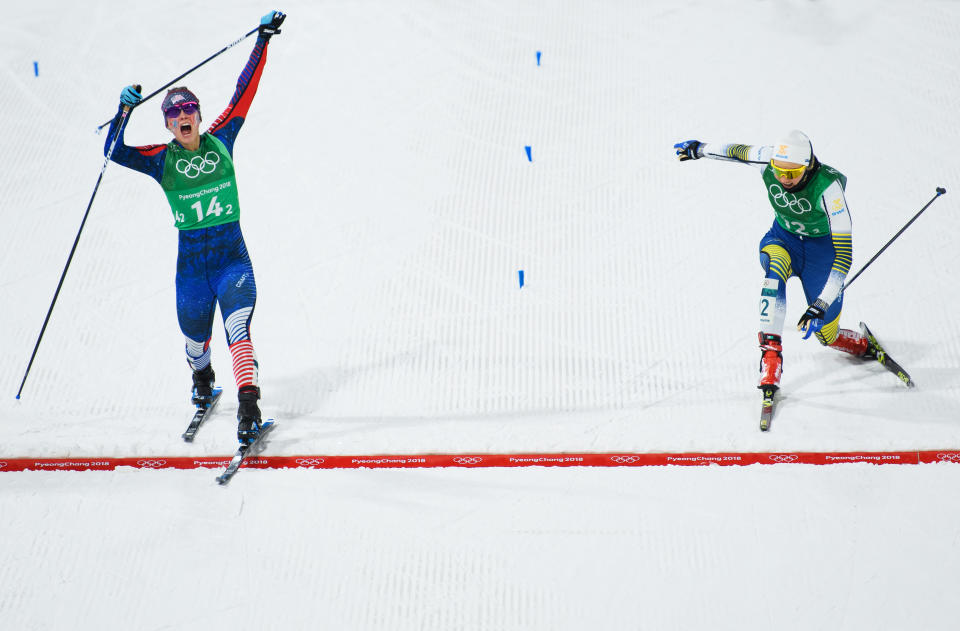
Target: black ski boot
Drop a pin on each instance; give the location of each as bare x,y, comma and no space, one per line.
248,414
203,386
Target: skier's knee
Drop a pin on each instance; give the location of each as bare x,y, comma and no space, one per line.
776,261
828,333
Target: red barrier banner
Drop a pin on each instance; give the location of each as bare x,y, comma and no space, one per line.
485,460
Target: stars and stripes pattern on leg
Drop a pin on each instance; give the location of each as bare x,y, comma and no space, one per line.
245,368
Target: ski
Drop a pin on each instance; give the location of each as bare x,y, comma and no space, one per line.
767,407
203,411
245,451
885,360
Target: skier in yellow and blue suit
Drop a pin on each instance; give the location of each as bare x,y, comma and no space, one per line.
811,238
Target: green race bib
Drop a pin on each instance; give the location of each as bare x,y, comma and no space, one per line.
802,212
200,185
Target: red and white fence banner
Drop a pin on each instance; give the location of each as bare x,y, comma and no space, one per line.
484,460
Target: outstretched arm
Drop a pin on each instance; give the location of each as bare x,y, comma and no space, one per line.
746,154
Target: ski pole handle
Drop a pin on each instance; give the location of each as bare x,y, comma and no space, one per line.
127,108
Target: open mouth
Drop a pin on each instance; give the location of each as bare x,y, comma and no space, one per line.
186,128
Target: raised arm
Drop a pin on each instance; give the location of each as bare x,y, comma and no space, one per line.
229,122
147,159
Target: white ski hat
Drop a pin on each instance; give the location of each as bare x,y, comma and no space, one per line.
794,147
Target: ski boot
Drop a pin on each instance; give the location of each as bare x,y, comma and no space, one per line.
853,343
771,365
771,361
248,415
203,386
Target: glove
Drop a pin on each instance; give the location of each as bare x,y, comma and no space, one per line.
812,319
688,150
131,97
270,24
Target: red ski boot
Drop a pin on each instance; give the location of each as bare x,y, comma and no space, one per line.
771,361
771,365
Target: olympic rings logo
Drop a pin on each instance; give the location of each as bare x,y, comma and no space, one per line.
196,165
309,462
784,199
950,457
784,457
468,460
151,464
625,459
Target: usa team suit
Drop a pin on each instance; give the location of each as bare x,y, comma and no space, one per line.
213,266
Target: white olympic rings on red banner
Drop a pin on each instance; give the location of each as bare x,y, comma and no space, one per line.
784,457
151,464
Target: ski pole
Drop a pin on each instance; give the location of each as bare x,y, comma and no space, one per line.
940,191
171,82
106,161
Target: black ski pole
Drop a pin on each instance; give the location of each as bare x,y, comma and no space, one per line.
940,191
106,161
172,81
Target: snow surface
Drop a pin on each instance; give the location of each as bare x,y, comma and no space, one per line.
388,207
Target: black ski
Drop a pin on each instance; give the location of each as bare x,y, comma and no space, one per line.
245,451
885,360
203,411
768,407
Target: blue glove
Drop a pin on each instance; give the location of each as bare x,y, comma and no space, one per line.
812,319
131,96
688,150
270,24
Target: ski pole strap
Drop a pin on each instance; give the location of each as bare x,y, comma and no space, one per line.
940,191
172,81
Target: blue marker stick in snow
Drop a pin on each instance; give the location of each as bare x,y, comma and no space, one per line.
520,275
529,154
538,57
36,69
